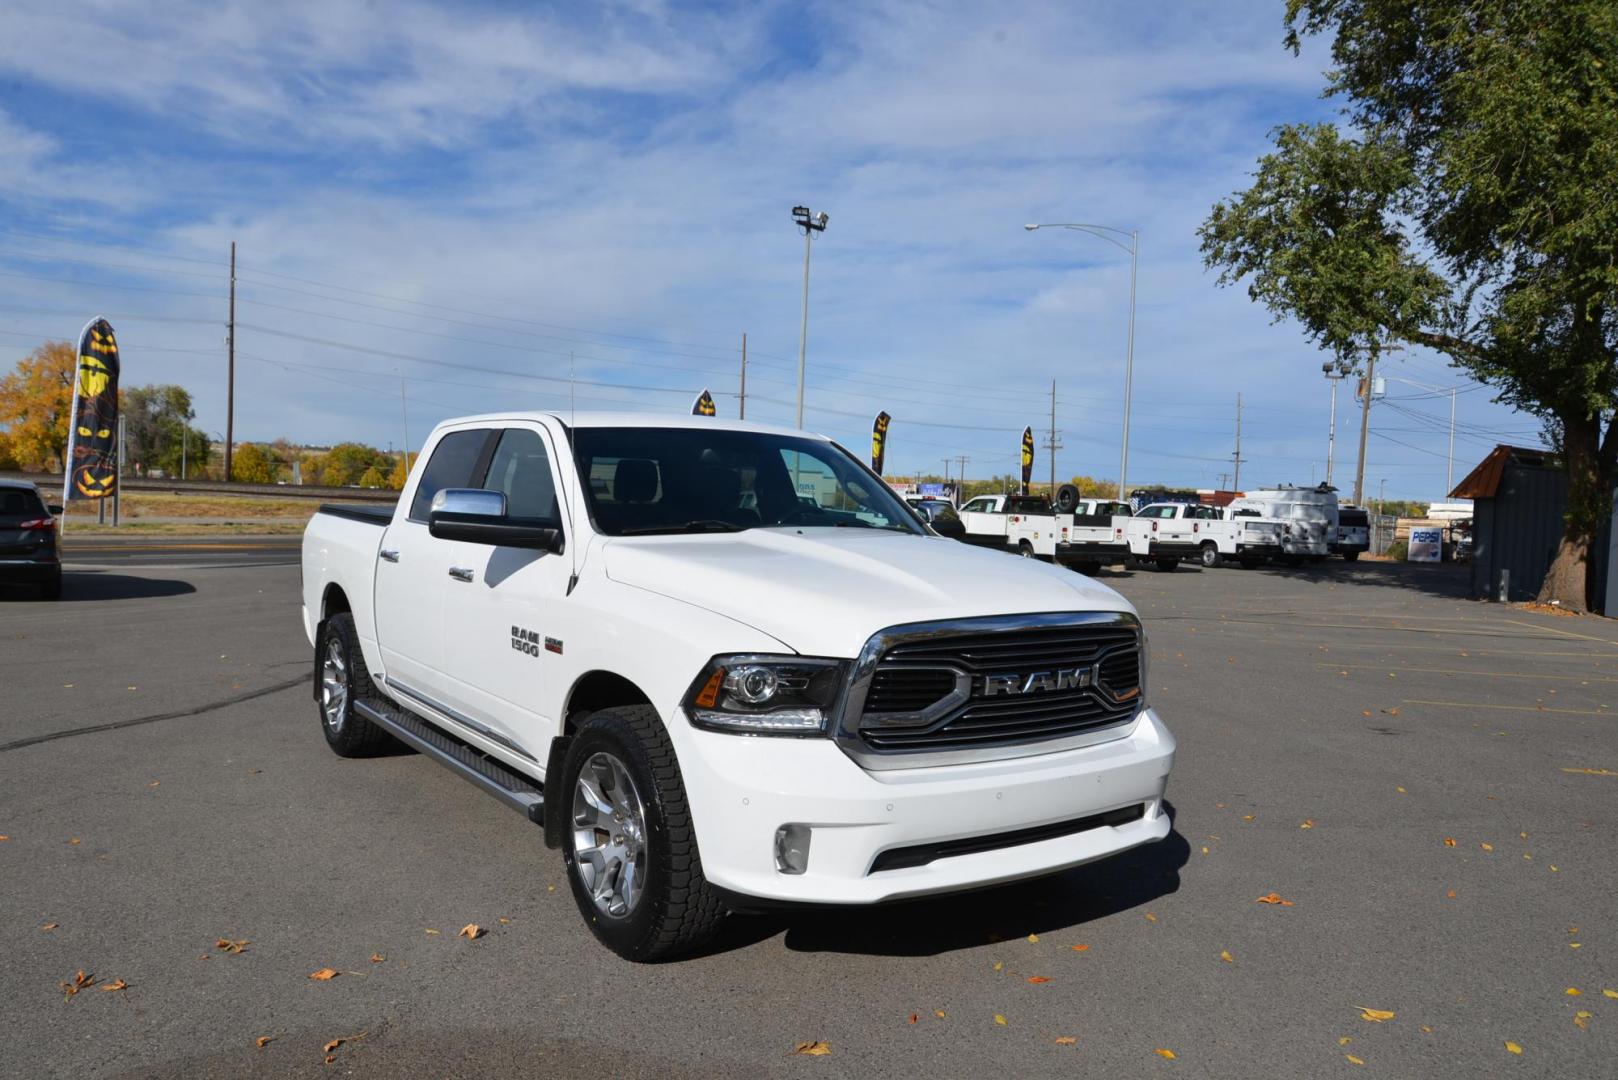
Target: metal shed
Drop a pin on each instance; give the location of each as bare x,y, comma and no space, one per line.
1519,497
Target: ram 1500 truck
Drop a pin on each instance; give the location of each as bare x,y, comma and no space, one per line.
725,667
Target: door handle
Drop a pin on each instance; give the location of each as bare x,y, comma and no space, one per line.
460,573
389,556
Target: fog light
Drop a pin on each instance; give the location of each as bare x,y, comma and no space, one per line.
792,849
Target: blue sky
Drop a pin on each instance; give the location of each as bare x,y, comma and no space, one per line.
484,198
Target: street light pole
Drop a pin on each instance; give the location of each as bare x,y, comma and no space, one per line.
1133,248
810,224
1336,371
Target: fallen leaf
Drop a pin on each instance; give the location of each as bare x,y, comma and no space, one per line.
471,931
1450,894
1001,1020
1150,917
1080,948
1513,1047
504,921
1610,993
1352,1060
116,984
1365,712
1449,841
81,981
330,1058
50,926
999,965
1065,1040
1307,825
813,1049
1401,791
1575,944
1426,1029
550,888
334,1044
915,1018
154,783
1274,898
432,931
377,958
1247,817
1374,1015
323,975
227,945
1574,991
1169,1054
939,1013
263,1040
1226,957
74,841
1486,847
4,838
1039,979
1581,1019
1344,1041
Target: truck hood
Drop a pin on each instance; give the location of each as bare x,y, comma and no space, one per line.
823,592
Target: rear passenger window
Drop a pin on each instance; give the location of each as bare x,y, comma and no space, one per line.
522,470
454,460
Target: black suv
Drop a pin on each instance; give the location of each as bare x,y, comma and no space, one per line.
28,548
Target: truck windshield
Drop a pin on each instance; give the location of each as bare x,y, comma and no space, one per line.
679,479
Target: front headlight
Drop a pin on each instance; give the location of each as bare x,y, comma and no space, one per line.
765,695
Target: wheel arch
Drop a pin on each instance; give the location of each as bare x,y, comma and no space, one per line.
596,690
334,601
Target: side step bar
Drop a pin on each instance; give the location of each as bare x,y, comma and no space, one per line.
515,790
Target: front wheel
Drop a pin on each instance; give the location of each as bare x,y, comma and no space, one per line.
1209,554
342,679
1350,556
629,843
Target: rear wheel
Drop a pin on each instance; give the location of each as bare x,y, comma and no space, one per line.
1167,564
1350,556
1025,549
1209,554
629,844
1089,568
51,587
343,679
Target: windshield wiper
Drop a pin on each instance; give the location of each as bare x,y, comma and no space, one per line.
701,525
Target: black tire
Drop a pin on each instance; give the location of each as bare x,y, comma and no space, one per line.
1067,497
1089,569
1168,565
677,910
1209,555
348,734
51,587
1250,562
1350,556
1025,549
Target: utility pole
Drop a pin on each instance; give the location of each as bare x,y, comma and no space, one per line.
230,381
404,415
1365,425
960,475
946,474
1449,473
1222,481
742,408
1236,481
1054,443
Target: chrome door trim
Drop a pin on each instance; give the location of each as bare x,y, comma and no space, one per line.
460,718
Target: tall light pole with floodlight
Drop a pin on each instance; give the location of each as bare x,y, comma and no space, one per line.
810,224
1110,235
1336,371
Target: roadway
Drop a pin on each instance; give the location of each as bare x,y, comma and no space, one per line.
136,549
164,787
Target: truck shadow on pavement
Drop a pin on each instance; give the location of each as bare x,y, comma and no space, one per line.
80,585
944,924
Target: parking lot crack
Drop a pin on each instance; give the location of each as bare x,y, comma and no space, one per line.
178,714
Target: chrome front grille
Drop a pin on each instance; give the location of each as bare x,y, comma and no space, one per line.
998,687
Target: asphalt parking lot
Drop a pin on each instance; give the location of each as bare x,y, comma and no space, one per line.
1430,784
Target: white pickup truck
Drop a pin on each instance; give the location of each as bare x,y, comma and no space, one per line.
1172,532
716,691
1090,537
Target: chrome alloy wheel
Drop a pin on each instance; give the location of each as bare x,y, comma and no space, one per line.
609,835
334,685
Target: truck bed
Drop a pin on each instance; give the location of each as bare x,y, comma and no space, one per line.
368,513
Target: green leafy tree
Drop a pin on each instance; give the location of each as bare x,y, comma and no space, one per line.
1468,205
345,463
251,465
158,432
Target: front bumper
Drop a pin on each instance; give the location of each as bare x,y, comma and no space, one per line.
742,789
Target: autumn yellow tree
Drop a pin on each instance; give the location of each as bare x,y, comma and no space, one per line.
371,478
251,465
35,401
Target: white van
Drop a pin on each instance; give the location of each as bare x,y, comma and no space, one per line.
1310,515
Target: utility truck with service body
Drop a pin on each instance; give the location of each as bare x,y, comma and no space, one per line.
1171,532
1087,538
1309,516
725,667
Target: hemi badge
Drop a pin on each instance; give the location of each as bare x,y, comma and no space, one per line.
553,645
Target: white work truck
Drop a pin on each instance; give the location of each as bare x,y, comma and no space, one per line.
1172,532
1087,539
715,691
1308,516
